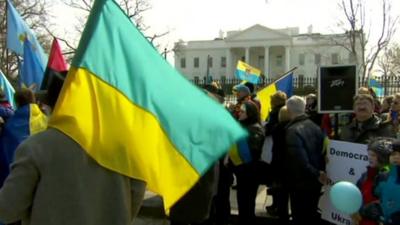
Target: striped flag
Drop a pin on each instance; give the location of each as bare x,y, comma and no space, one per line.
135,114
247,73
7,88
377,87
284,84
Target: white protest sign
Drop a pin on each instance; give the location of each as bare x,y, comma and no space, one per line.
346,162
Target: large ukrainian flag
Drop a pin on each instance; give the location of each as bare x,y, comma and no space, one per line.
135,114
285,84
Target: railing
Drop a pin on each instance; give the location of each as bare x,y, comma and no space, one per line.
302,85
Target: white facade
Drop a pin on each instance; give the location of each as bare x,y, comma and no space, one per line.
272,51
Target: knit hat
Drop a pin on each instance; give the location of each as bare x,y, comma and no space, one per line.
241,88
382,147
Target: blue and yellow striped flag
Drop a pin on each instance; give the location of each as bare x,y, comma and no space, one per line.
27,120
135,114
376,87
248,73
240,153
284,84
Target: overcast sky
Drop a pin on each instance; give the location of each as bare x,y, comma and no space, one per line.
203,19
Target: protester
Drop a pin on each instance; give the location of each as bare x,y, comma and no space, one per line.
54,181
388,188
393,117
6,110
379,150
365,125
278,100
386,104
3,100
305,164
253,94
221,207
247,174
281,197
242,93
321,120
386,107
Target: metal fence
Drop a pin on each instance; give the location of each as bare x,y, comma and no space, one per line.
302,85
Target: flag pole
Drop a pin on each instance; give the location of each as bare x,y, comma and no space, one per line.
6,42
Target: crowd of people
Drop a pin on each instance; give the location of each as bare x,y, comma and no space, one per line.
295,176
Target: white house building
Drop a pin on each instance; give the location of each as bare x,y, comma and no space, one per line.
274,51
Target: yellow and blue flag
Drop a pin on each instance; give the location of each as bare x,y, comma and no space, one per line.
240,153
376,87
27,120
135,114
7,89
18,31
32,70
248,73
284,84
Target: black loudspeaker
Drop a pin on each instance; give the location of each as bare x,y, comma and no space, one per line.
337,86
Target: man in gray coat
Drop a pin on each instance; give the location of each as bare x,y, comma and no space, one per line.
53,181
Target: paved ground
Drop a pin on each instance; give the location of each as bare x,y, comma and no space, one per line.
153,214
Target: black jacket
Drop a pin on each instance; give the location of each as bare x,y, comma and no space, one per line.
255,140
362,133
304,153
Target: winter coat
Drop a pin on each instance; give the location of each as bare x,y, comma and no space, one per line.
54,181
388,191
372,128
366,185
304,153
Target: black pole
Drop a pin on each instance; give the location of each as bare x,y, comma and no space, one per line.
165,53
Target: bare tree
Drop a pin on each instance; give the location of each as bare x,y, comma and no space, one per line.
363,50
133,8
389,61
36,14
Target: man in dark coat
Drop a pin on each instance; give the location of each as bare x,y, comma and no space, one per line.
305,164
365,125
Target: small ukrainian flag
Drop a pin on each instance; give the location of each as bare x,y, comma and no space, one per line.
246,72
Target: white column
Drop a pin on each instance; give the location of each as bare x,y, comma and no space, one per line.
228,63
287,58
266,62
247,58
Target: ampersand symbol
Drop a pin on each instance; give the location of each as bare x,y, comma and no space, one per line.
351,172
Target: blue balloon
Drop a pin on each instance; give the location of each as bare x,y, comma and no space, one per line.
345,197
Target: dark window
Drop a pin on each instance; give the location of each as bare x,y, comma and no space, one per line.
210,62
279,60
223,62
317,59
183,62
302,59
335,58
196,62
